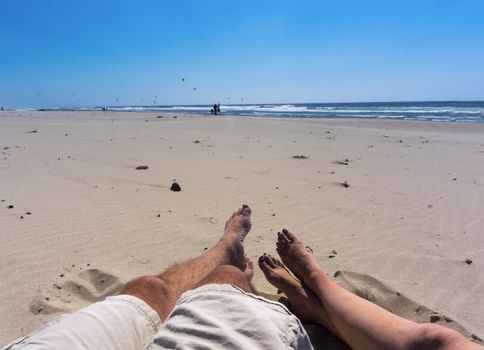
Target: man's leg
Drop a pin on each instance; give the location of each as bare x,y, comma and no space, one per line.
161,292
229,274
358,322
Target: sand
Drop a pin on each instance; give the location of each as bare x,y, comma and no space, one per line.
399,235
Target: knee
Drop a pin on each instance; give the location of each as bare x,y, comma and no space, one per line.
431,336
229,274
230,270
153,291
146,285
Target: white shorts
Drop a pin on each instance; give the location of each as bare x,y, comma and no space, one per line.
210,317
117,322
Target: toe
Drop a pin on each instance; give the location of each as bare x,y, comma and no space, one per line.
246,209
270,261
263,264
281,238
291,237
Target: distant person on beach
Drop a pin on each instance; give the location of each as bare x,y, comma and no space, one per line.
215,109
218,108
208,302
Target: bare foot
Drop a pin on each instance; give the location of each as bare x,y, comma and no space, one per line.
236,228
305,305
249,268
295,257
238,225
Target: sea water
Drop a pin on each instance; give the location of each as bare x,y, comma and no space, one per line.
449,111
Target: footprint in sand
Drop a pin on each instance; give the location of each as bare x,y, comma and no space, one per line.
85,288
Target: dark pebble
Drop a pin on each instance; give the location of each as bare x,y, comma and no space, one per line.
21,217
435,318
468,261
28,213
175,187
141,167
10,206
61,275
158,215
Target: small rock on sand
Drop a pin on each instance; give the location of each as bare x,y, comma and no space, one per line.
468,261
300,157
345,184
175,187
32,132
342,162
10,206
141,167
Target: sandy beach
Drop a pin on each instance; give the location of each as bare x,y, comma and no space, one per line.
78,219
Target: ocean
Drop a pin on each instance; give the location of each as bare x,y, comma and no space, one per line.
444,111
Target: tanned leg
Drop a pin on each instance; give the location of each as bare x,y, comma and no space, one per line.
161,292
228,251
304,303
229,274
360,323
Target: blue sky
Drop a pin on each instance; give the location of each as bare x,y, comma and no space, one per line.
73,53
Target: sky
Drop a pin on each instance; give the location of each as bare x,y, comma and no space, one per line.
115,52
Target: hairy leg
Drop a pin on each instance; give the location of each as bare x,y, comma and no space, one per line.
360,323
155,292
161,292
228,251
